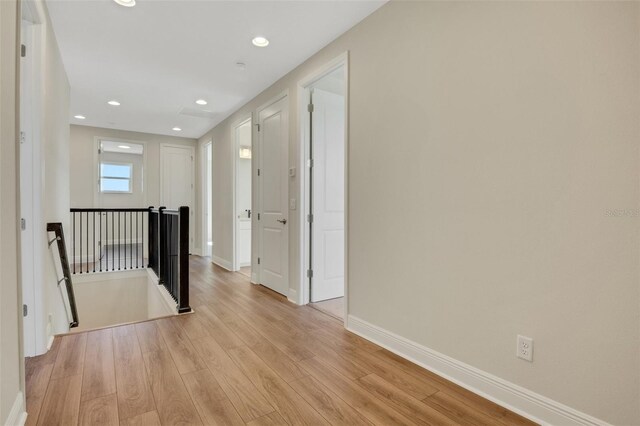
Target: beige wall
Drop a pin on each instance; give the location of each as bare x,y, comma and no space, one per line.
11,369
83,185
488,143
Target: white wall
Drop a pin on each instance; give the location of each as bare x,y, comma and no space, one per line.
11,366
489,143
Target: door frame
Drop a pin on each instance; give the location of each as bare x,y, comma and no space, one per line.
206,185
235,158
35,329
256,189
192,213
97,195
303,86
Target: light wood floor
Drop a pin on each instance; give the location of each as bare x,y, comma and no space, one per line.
333,307
247,356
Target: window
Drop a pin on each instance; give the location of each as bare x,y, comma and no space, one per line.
116,177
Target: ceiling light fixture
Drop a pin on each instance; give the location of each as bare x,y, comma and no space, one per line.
79,117
177,129
114,103
201,102
126,3
124,146
260,41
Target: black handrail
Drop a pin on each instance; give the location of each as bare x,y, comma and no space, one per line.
66,271
169,252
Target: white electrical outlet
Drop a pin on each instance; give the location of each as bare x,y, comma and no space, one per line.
525,348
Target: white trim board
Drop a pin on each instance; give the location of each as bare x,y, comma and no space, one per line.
18,415
529,404
223,263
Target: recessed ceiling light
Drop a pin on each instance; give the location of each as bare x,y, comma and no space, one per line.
79,117
114,103
124,146
260,42
177,129
126,3
201,102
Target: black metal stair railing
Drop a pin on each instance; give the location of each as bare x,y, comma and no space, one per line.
120,239
104,240
169,252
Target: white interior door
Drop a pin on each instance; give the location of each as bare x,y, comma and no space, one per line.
273,137
328,195
176,180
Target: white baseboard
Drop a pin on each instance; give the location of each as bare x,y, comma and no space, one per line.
293,296
18,414
529,404
223,263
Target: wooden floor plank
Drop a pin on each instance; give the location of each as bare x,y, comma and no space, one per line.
37,378
408,383
403,402
149,337
178,343
277,360
291,406
271,419
102,411
134,392
218,330
146,419
99,377
211,401
455,409
332,408
70,359
355,395
174,405
244,396
191,324
61,403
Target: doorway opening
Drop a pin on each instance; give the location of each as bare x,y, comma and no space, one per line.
324,189
207,197
242,160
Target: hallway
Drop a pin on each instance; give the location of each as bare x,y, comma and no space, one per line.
247,356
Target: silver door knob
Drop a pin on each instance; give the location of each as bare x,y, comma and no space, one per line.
283,221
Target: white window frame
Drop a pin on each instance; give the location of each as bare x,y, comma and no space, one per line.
116,163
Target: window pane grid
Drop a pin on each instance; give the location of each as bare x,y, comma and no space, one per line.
115,177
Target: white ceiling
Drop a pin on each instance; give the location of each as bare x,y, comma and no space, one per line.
158,57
